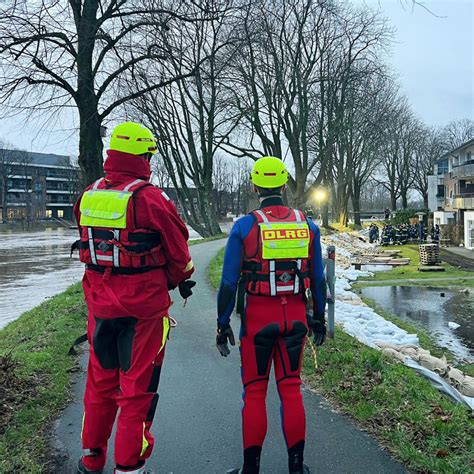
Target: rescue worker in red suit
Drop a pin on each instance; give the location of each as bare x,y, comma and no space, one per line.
135,249
273,262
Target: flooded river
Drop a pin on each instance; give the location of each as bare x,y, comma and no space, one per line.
35,266
433,309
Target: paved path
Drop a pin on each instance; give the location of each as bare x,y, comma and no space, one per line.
458,257
197,425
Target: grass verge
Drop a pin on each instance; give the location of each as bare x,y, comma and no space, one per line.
419,425
35,362
207,239
410,271
214,271
35,375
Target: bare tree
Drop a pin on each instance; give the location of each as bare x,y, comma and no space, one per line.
189,116
160,174
77,53
428,149
456,133
290,81
396,172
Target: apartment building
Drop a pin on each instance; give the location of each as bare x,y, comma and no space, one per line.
37,185
451,190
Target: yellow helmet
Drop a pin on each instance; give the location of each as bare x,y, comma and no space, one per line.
133,138
269,172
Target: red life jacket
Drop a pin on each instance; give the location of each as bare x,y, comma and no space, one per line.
132,250
274,276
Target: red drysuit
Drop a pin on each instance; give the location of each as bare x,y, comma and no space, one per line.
128,324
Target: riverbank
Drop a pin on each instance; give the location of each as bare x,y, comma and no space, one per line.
413,420
35,371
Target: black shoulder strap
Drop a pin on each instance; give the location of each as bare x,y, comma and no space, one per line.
80,340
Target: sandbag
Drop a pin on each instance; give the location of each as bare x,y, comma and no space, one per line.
455,376
388,345
393,353
434,364
467,386
410,352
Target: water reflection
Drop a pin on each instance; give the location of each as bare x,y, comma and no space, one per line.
432,308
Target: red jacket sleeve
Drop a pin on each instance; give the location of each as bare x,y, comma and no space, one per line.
159,213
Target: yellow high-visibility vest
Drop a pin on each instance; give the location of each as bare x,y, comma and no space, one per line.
104,208
284,240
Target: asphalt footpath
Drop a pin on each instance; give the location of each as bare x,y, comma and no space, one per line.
197,426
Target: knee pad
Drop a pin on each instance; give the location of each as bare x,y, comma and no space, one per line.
265,341
294,343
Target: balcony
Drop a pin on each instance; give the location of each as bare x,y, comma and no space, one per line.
463,171
463,201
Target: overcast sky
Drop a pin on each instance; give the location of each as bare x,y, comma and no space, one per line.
433,56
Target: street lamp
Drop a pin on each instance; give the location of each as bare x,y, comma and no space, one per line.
320,195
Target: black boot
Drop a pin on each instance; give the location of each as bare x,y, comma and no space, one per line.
295,459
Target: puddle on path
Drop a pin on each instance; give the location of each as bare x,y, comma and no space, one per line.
426,307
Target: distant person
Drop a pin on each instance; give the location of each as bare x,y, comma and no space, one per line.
272,258
387,213
135,248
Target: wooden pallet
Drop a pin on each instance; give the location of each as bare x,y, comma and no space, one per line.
429,254
431,268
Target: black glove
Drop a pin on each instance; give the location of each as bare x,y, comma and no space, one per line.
185,288
317,329
224,334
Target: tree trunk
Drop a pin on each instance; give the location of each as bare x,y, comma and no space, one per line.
90,145
4,202
90,142
343,216
325,215
393,201
356,204
208,211
404,199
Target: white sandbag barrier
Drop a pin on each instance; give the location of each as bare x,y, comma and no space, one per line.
362,322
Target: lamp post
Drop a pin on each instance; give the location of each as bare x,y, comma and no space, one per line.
320,196
420,225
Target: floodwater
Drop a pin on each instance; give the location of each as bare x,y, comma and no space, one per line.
428,308
35,266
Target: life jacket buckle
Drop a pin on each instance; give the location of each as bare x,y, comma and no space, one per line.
285,277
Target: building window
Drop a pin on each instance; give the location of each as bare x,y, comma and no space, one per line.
49,213
60,213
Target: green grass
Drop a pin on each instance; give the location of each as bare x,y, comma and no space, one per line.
410,271
419,425
208,239
38,343
214,271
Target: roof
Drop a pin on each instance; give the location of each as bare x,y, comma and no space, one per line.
45,159
464,145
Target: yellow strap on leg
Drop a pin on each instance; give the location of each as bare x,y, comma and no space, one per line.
314,352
